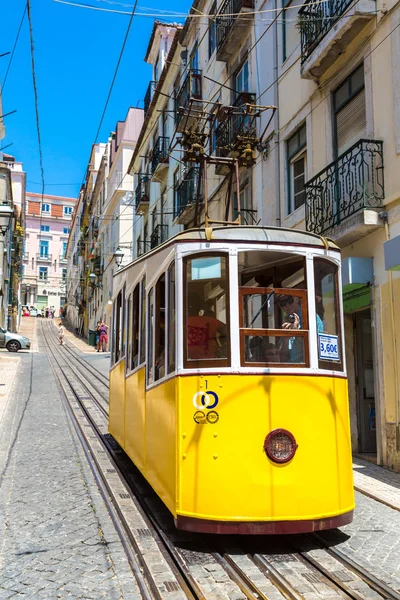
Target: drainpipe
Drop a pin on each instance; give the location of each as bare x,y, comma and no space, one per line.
276,124
384,218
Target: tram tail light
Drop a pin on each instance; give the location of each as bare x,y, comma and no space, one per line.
280,445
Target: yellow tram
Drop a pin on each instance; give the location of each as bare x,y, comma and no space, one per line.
228,381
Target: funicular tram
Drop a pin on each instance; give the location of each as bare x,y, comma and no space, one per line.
228,384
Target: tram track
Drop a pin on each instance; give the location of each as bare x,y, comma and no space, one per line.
146,527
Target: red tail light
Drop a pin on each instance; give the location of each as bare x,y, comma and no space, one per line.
280,445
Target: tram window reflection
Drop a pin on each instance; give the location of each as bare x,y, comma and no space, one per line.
206,310
143,320
171,318
150,330
135,328
159,346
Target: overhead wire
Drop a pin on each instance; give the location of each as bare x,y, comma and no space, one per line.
14,47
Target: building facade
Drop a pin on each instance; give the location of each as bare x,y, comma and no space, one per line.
305,102
48,225
103,223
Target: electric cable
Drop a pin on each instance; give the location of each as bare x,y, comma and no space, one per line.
14,47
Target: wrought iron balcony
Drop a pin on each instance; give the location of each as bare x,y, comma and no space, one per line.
188,100
186,195
142,192
149,95
143,247
228,22
160,153
43,256
63,259
248,216
318,19
239,126
159,235
350,184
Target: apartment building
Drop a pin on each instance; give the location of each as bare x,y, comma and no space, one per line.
48,224
102,224
305,100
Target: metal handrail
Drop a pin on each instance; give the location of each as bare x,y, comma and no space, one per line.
149,95
227,16
187,190
160,152
191,88
238,123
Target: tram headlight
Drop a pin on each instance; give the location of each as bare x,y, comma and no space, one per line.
280,445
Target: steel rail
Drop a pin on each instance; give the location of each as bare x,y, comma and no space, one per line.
183,578
131,553
376,584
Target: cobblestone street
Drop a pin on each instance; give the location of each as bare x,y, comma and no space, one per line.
57,539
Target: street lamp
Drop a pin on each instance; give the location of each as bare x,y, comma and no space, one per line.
93,279
6,213
118,255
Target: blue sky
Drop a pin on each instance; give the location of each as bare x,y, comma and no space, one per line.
76,51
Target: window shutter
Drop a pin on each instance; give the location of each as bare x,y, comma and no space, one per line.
351,123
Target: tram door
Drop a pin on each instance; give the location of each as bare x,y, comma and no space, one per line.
365,383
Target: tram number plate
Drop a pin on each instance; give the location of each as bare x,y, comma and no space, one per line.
328,347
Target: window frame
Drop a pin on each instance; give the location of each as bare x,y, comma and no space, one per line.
44,270
46,207
327,365
291,157
214,362
352,93
67,211
45,229
303,333
212,31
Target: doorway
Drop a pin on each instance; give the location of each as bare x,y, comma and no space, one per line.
366,419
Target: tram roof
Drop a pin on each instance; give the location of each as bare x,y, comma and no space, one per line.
240,234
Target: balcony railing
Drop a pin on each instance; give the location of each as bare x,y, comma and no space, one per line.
149,95
142,192
238,124
160,153
191,88
188,190
43,256
143,247
159,235
348,185
228,16
63,259
316,19
248,216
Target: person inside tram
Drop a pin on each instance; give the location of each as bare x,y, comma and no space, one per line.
206,333
292,348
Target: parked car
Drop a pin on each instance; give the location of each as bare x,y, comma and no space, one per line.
13,341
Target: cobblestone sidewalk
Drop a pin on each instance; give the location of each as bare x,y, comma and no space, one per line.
8,371
377,482
28,328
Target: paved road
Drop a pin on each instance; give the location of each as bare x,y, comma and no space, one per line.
56,538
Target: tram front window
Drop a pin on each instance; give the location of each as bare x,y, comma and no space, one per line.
273,309
207,310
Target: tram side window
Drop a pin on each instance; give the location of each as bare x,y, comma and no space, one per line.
119,326
128,331
327,307
159,346
206,311
150,330
171,318
143,321
134,357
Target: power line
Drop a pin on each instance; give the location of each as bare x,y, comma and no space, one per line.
116,68
13,50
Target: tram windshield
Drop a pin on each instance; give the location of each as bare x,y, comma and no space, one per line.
207,310
273,308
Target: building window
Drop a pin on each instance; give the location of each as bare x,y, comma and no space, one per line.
45,228
212,31
241,79
66,230
64,275
296,168
194,58
67,211
291,33
349,110
44,248
43,273
176,184
64,250
46,208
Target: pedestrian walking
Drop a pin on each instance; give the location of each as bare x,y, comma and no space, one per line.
98,336
61,333
103,336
